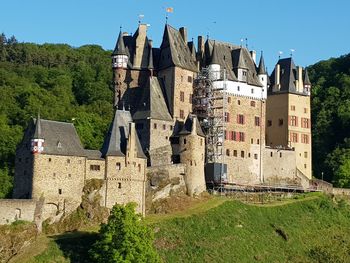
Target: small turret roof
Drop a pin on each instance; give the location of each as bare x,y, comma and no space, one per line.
261,68
188,126
115,143
214,56
37,133
306,78
120,46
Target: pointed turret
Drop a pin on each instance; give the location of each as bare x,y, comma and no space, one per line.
306,79
37,142
261,68
215,56
119,56
119,47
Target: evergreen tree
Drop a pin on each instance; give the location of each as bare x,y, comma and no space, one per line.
124,238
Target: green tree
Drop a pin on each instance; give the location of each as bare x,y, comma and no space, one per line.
124,238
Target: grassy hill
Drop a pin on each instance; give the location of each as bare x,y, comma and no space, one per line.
308,229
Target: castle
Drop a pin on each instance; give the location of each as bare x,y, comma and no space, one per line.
265,138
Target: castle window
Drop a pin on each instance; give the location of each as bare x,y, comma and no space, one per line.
242,154
240,119
251,141
280,122
257,121
238,89
59,144
305,138
164,127
293,121
269,123
305,166
305,154
182,114
68,160
255,156
229,99
292,107
171,127
249,155
235,153
182,96
119,185
69,175
59,191
252,91
252,103
139,166
94,167
305,123
227,152
293,137
238,101
280,155
184,141
271,154
257,141
227,117
118,166
191,162
155,126
189,79
305,110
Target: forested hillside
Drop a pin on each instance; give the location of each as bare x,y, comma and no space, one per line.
62,82
331,119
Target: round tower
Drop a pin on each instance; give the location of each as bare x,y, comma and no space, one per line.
120,61
192,150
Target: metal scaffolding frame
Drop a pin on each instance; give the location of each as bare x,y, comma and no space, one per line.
209,104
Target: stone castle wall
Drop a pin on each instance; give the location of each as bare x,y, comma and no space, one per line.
17,209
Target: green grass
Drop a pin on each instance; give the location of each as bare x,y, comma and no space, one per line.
235,232
310,228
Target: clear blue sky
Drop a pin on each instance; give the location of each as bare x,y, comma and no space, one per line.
316,29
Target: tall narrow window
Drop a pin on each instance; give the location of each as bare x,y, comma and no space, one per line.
182,96
257,121
293,120
118,166
182,114
240,119
227,117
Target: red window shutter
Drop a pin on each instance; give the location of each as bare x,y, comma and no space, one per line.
231,136
289,120
238,136
296,121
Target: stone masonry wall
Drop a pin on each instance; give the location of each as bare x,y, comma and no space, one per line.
59,179
244,156
16,209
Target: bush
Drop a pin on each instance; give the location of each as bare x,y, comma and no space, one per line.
124,238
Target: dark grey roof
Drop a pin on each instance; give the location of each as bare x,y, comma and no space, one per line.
61,138
152,104
174,51
306,78
192,49
37,133
214,56
115,143
261,67
120,47
188,126
288,75
232,57
93,154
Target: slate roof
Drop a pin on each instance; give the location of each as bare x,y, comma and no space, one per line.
152,104
306,78
93,154
188,126
120,47
232,57
288,75
61,138
175,52
115,143
261,67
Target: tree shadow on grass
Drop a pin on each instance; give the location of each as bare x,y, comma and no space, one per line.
75,245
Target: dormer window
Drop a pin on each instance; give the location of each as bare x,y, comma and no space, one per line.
59,144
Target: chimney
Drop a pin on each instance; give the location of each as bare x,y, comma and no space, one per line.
277,77
200,45
253,55
132,141
183,32
300,88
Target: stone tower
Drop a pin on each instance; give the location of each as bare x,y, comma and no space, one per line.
288,112
192,150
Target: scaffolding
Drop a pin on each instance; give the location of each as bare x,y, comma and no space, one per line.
209,104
